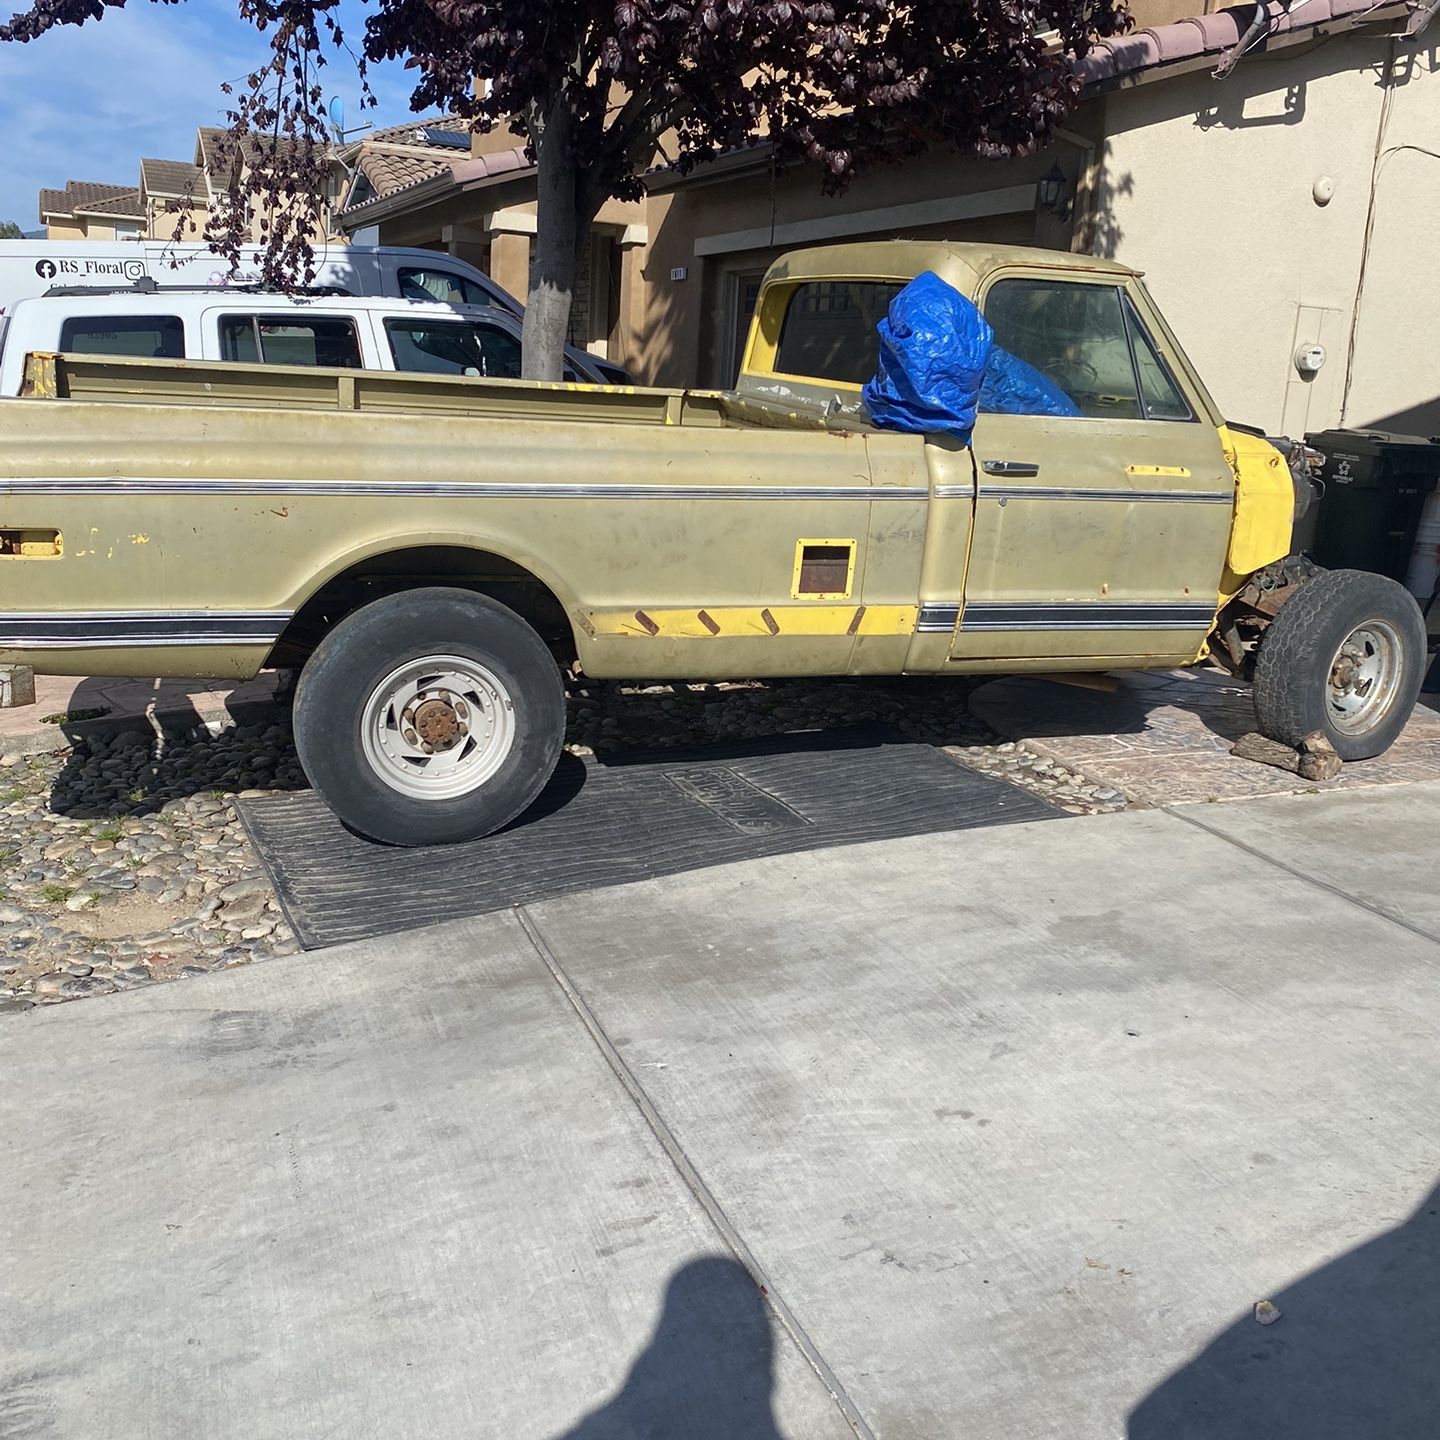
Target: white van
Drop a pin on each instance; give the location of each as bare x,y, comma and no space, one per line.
268,329
31,267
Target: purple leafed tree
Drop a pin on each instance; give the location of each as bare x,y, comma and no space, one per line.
598,88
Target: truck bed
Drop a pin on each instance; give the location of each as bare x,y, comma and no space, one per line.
286,387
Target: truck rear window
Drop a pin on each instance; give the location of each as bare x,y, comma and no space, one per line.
829,329
290,340
146,337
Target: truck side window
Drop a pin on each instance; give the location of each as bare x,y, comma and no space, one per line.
1088,340
829,329
290,340
149,337
1073,334
453,348
423,282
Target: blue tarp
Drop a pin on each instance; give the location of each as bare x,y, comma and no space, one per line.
1013,387
933,347
939,364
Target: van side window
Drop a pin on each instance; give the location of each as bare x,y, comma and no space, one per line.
425,282
1088,340
290,340
146,337
829,329
453,347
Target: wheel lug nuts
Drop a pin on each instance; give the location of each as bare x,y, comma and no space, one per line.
428,748
411,738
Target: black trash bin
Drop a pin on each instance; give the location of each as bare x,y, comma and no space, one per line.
1375,486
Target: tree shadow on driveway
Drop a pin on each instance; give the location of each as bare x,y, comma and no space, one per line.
1356,1353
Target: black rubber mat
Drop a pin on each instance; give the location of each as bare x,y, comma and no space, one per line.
606,824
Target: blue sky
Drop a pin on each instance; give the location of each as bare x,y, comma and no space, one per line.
85,103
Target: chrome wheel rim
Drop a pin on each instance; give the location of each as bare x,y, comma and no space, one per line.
1364,677
437,727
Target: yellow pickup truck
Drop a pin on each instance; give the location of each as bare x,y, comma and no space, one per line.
435,552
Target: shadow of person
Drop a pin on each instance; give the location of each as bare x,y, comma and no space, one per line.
1355,1353
706,1373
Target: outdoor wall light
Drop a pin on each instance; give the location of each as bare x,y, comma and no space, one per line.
1049,188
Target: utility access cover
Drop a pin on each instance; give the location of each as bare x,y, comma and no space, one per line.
634,818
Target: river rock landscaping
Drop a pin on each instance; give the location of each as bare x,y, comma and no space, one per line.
125,862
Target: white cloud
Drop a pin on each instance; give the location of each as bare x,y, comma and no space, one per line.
86,103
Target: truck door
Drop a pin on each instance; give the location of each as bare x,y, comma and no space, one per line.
1101,532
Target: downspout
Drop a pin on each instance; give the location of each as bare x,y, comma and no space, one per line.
1087,178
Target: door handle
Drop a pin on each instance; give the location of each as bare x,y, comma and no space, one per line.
1011,467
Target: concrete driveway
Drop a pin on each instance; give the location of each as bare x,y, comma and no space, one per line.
988,1134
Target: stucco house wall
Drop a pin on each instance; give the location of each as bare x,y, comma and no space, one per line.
1210,187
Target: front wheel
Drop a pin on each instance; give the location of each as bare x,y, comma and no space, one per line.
429,717
1344,656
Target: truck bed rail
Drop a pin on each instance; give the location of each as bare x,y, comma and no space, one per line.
117,380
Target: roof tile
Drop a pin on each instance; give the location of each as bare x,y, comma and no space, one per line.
1219,30
1177,41
387,171
1135,52
127,205
169,178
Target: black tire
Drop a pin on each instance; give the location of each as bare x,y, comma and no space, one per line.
1300,651
341,690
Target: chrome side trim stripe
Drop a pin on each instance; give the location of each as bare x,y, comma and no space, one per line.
1085,615
937,619
989,616
456,490
116,629
1056,492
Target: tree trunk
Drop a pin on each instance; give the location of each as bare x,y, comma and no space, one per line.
561,230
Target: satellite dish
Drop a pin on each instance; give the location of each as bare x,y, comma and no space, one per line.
337,117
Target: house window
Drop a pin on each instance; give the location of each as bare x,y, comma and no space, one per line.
146,337
428,282
290,340
1089,341
829,329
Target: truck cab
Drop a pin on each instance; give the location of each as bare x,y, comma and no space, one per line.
1081,538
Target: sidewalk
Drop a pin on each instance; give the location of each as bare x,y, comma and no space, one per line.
983,1135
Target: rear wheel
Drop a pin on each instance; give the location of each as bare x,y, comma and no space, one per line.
428,717
1345,656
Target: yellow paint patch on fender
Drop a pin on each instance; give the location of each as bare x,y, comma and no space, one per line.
1264,506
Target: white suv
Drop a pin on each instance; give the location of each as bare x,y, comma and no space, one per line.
266,329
